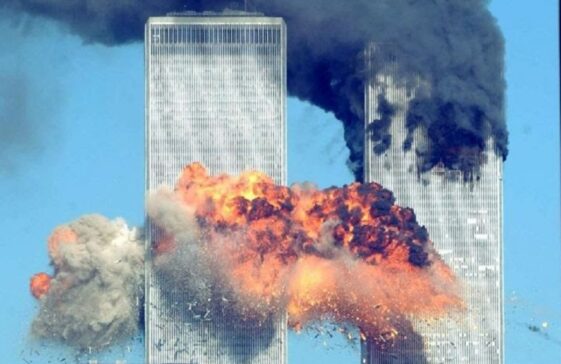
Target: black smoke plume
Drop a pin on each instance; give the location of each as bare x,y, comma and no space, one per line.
379,129
454,46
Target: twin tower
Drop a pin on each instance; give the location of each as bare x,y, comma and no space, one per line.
216,93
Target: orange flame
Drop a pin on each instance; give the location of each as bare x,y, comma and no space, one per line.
61,235
40,284
347,254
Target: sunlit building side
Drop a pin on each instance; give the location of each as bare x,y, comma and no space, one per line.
464,220
216,94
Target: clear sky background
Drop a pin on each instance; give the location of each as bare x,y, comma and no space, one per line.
75,145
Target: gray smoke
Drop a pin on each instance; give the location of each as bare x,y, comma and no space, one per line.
26,114
16,128
188,271
454,46
200,266
95,296
28,105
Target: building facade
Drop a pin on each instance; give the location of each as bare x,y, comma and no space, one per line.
464,220
215,94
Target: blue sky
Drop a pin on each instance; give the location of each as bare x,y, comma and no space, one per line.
85,154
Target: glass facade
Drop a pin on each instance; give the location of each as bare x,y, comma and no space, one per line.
216,94
464,220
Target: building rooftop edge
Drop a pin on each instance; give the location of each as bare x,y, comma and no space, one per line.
225,12
214,18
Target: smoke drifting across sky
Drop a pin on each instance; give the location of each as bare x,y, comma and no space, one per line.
454,46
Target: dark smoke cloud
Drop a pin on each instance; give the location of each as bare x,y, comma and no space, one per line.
454,46
379,129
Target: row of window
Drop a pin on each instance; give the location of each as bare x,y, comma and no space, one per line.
215,34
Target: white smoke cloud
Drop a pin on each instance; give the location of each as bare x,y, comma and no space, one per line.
96,293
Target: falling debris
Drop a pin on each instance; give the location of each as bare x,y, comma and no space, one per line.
542,331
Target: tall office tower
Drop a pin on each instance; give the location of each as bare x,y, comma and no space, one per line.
464,220
215,93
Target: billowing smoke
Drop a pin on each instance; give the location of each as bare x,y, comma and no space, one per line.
250,249
93,299
455,47
256,249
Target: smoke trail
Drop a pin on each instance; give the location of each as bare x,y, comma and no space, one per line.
453,46
93,298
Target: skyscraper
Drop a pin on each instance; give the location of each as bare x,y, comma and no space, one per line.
215,93
464,220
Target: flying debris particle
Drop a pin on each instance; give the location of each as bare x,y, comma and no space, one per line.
541,330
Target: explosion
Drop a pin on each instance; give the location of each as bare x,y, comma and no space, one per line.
348,255
60,236
91,299
247,248
40,284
